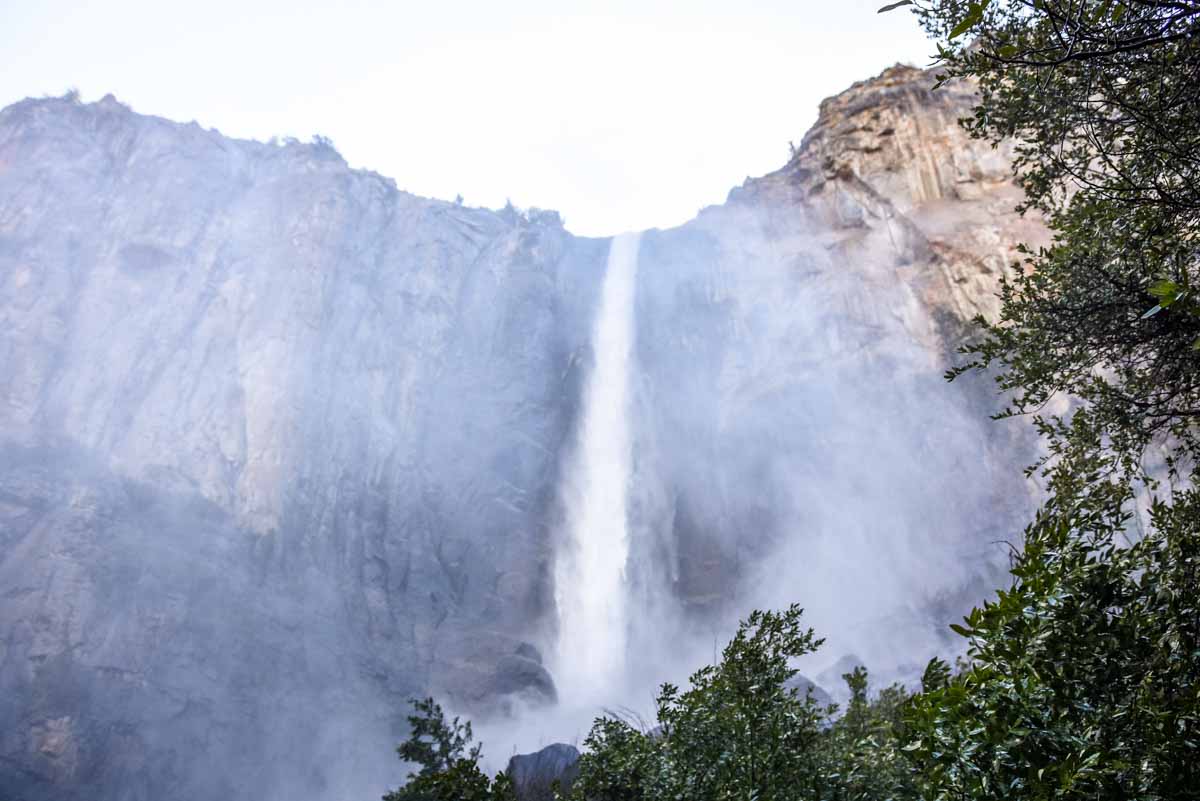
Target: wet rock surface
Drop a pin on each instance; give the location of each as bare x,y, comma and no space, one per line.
534,775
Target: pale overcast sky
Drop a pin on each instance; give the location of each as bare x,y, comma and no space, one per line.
620,115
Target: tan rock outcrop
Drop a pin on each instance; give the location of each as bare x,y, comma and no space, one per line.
887,166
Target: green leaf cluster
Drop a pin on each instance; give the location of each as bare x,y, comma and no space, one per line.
448,764
1083,679
743,730
1101,100
862,751
738,731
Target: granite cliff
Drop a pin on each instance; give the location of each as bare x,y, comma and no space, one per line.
281,444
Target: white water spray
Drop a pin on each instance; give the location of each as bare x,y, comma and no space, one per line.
589,575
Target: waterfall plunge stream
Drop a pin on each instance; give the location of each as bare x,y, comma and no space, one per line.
589,576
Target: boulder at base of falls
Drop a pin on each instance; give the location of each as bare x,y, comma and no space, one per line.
834,676
514,680
516,674
806,685
534,775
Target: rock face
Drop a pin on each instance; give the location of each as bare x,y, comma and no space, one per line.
534,775
806,687
280,443
887,162
792,345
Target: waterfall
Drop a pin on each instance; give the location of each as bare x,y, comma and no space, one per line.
589,573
